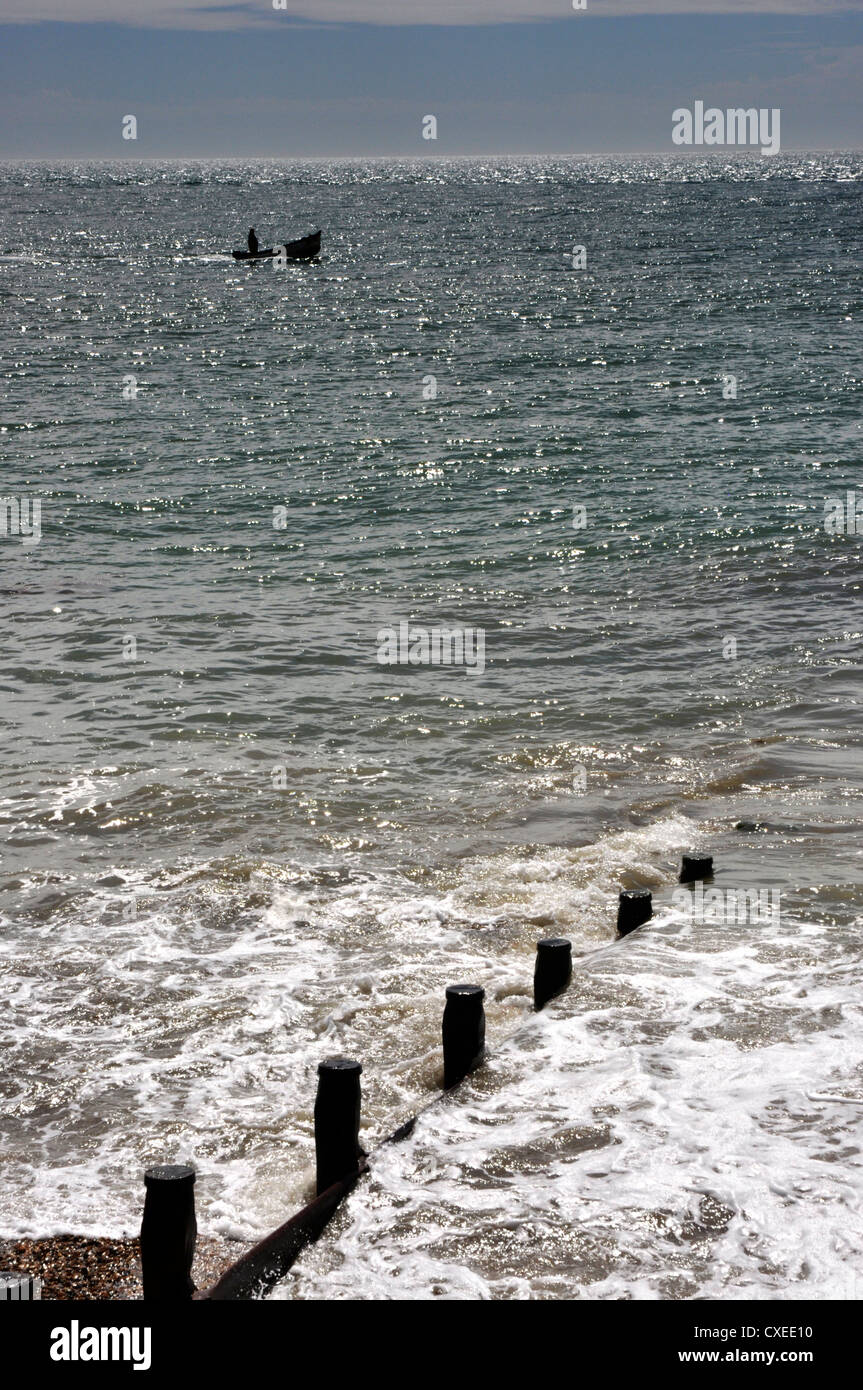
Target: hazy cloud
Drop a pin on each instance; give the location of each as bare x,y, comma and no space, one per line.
229,14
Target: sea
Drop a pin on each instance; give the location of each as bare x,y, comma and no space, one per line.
592,427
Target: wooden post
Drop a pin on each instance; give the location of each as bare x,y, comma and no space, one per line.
337,1121
634,907
553,970
463,1032
168,1233
695,866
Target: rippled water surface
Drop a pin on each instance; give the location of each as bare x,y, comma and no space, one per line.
233,842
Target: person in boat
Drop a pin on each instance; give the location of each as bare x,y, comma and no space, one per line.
253,241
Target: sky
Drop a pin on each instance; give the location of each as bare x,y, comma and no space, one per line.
357,77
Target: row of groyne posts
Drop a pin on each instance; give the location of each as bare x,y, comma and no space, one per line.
169,1226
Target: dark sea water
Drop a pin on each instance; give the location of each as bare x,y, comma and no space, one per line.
234,843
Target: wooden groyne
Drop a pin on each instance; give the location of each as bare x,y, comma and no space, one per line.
339,1160
169,1229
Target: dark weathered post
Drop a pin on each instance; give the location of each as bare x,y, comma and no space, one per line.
634,907
553,970
463,1032
168,1233
337,1121
695,866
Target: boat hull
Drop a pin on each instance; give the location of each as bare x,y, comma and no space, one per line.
302,250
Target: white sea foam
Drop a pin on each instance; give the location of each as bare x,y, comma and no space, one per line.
191,1032
651,1135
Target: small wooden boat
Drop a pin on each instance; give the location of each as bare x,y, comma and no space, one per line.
302,250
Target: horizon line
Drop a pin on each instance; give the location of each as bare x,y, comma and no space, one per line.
724,152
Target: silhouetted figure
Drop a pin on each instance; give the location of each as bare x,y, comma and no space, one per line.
253,241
